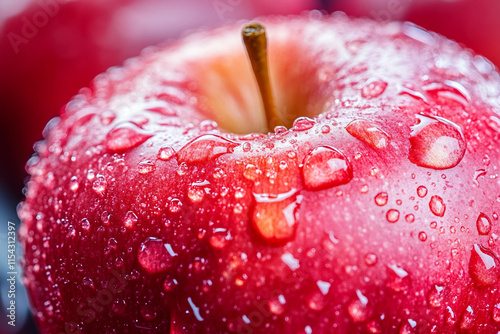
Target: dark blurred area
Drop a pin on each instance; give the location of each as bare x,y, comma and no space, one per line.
51,48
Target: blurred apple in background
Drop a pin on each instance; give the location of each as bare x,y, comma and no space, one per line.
474,23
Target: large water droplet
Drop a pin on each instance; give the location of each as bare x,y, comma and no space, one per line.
357,308
436,143
303,124
483,224
369,133
325,167
483,266
437,206
275,216
156,256
204,148
373,88
125,136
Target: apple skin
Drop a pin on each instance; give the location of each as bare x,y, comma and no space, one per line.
377,214
51,48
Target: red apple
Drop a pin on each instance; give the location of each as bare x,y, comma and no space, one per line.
51,48
159,201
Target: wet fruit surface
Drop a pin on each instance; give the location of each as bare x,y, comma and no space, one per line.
376,211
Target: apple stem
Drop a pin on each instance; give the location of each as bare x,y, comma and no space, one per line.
254,37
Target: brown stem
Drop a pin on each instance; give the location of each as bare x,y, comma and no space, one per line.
254,37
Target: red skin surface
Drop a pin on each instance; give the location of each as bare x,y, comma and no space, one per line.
48,52
114,219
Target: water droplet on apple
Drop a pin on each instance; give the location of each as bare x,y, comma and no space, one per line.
325,167
125,136
369,133
99,185
85,224
247,147
130,219
437,206
175,205
325,129
357,308
435,296
483,224
156,256
398,279
74,184
251,172
421,191
436,143
197,190
220,238
303,124
422,236
451,318
105,217
381,198
208,125
145,167
373,88
166,153
277,305
483,266
205,148
90,175
468,318
410,218
371,259
392,215
274,217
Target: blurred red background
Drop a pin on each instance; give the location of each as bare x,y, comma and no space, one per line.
51,48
